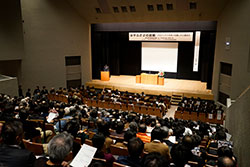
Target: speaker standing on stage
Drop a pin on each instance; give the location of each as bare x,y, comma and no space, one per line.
106,68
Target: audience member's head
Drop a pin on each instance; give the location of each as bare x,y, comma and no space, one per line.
119,127
59,147
133,126
165,132
99,122
104,128
23,114
178,131
156,134
135,147
196,140
129,134
94,114
225,151
98,141
226,162
72,127
97,163
153,123
187,142
154,159
220,135
142,128
12,132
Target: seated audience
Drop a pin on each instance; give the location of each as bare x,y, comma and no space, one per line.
103,128
66,116
135,149
225,151
72,128
181,153
29,127
165,136
133,126
119,130
142,133
98,142
59,148
154,131
11,153
155,159
156,144
226,162
129,134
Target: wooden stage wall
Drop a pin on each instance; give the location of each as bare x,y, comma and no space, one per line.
187,88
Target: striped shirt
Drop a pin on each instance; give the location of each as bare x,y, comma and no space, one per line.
144,137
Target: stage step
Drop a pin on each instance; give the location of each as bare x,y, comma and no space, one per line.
176,98
174,103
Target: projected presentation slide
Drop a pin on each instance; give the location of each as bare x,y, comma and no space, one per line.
159,56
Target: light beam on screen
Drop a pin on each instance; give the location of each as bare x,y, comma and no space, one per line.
159,56
196,51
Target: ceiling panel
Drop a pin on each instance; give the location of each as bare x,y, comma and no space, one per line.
207,10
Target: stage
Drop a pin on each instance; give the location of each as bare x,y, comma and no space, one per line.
187,88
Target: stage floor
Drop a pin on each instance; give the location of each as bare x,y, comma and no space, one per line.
188,88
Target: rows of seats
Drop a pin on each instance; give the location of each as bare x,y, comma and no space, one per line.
110,114
194,116
125,107
139,107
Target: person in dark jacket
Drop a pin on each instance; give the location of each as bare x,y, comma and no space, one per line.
11,154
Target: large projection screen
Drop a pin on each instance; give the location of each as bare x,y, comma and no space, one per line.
159,56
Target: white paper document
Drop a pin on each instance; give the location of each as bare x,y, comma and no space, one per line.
172,139
228,136
84,156
51,116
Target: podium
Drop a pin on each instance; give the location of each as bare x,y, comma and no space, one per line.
104,75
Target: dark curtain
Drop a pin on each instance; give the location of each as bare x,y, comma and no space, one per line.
185,61
114,49
206,61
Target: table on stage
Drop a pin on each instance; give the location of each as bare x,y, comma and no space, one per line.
152,79
149,79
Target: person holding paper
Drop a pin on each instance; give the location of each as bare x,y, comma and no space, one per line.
98,142
59,148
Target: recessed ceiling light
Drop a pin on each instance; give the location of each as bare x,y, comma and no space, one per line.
159,7
132,8
98,10
150,8
170,6
115,9
124,9
192,5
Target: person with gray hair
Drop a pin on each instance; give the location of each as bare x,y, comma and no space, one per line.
165,133
133,126
58,149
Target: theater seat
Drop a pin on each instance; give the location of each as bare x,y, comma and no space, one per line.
36,148
88,142
116,150
116,164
